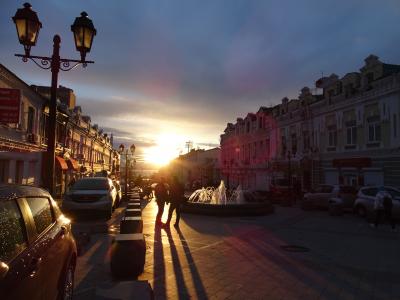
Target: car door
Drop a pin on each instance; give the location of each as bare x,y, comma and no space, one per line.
18,251
50,241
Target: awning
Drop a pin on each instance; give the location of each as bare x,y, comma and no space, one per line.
355,162
73,164
60,162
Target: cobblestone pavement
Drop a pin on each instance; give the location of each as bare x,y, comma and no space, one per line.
246,257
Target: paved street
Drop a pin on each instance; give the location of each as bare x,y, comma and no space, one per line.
244,258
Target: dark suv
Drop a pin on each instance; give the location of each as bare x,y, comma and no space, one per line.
37,249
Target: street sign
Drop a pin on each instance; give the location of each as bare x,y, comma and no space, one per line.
9,105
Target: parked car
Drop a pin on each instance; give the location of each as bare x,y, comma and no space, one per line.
282,192
344,201
37,250
91,194
324,193
364,204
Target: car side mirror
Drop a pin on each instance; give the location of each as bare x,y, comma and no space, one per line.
3,270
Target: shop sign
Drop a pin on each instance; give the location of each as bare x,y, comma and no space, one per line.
9,105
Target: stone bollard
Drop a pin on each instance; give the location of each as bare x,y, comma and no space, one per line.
133,212
127,255
131,225
134,201
133,206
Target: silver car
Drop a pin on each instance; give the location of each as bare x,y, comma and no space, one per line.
91,194
364,204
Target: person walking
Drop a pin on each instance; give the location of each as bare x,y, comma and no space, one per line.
71,181
176,198
161,194
387,208
383,207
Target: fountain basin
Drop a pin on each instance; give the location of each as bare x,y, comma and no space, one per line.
228,210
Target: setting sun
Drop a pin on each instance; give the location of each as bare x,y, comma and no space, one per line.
165,150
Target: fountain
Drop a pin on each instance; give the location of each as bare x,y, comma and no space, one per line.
221,201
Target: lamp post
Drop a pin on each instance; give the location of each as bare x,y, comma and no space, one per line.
125,152
28,25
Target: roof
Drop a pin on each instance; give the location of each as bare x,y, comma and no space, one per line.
12,191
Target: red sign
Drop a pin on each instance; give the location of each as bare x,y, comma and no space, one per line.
9,105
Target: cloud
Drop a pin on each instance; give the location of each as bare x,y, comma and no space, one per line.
191,67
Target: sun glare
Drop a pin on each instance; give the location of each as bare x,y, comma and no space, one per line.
165,150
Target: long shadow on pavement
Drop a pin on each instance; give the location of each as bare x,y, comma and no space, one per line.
198,284
182,290
158,264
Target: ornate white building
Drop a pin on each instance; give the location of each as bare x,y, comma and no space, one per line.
347,134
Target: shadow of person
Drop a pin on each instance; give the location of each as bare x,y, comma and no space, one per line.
158,264
196,279
182,290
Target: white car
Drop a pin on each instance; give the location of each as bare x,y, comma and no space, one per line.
91,194
364,204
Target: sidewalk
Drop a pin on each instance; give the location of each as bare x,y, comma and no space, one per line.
247,258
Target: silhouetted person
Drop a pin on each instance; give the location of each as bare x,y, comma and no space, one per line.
176,197
72,181
383,207
161,194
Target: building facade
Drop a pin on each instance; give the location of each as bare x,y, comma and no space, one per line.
345,131
20,141
198,168
82,149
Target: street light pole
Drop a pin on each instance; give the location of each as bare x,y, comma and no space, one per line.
52,123
126,174
121,151
28,25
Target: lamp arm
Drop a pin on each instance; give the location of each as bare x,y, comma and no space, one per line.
65,66
45,62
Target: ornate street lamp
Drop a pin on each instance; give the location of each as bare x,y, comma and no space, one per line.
132,149
84,32
28,25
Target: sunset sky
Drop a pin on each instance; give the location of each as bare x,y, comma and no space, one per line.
169,71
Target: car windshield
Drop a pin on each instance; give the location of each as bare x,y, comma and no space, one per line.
91,184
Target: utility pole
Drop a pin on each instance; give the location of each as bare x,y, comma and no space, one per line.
189,146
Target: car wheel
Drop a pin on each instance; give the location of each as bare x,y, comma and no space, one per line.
361,211
68,288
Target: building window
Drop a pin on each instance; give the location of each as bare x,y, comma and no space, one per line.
351,134
332,137
374,132
394,125
283,145
31,116
306,140
294,144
